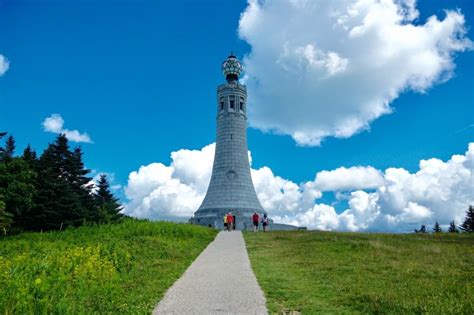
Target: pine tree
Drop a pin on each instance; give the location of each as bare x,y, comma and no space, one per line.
6,218
437,228
109,206
9,150
45,186
82,185
17,187
453,228
52,191
58,205
29,155
2,150
468,224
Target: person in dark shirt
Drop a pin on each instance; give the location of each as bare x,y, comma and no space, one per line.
265,222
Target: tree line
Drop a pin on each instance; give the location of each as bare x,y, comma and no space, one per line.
466,226
52,191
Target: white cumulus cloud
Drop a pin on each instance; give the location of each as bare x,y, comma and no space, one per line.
356,177
328,68
55,124
4,65
391,200
282,196
162,192
158,191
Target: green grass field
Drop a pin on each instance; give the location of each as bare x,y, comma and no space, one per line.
108,269
355,273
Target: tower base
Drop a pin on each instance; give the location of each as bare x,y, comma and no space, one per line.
215,218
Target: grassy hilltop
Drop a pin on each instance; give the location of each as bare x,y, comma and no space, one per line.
107,269
127,267
356,273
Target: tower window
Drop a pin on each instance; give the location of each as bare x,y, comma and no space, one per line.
242,106
222,106
232,102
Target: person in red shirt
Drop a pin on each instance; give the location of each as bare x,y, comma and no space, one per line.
230,222
255,219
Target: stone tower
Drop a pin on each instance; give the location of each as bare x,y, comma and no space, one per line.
231,187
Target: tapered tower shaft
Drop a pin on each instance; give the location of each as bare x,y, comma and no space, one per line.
231,187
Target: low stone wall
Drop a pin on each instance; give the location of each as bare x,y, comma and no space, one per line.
244,223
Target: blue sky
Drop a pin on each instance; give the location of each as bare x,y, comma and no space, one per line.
140,79
140,76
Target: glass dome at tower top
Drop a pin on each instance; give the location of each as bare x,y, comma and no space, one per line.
231,68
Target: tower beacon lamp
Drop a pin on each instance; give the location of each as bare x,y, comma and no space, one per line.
231,68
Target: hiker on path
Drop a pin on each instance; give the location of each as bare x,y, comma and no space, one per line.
230,221
225,222
255,219
265,222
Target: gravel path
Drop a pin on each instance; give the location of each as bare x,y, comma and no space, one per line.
219,281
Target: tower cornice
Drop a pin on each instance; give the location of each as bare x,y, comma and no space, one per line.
233,85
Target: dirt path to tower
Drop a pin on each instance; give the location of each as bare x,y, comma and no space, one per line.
219,281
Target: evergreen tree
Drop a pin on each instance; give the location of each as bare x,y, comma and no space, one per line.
9,148
453,228
6,218
109,206
17,187
82,185
2,150
52,191
57,203
468,224
29,155
437,228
